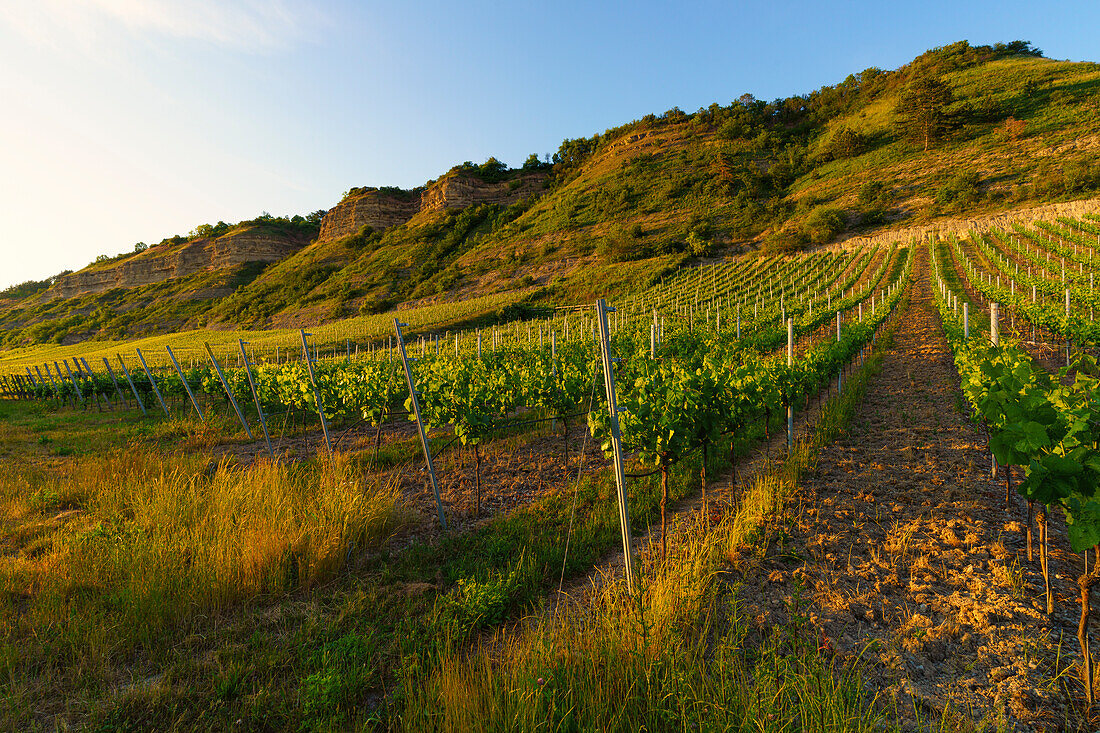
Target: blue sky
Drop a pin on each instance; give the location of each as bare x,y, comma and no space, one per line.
133,120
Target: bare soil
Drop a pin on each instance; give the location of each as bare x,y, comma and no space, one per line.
516,470
900,550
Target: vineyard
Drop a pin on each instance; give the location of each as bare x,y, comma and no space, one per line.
344,528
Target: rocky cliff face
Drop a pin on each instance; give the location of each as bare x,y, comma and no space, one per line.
377,209
458,192
165,261
381,210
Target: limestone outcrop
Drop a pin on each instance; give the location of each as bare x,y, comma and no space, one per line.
376,209
458,191
381,209
169,260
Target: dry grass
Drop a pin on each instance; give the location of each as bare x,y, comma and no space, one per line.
120,554
671,657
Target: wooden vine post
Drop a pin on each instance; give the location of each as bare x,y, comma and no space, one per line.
1085,583
839,374
995,340
790,402
554,373
995,324
1067,327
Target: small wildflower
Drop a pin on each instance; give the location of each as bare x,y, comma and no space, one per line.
541,682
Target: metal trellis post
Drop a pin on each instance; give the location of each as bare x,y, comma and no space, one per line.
316,391
72,379
228,392
152,382
419,420
186,386
129,379
118,390
256,398
616,442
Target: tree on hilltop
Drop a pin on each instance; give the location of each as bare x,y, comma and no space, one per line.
534,164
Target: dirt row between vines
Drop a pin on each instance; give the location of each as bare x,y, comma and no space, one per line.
899,549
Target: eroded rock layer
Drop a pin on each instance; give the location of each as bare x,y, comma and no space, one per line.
380,209
164,261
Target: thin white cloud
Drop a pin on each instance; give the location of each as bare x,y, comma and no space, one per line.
253,26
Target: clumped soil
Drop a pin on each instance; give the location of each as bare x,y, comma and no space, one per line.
516,470
899,549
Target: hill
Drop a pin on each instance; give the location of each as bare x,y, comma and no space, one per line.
959,129
153,288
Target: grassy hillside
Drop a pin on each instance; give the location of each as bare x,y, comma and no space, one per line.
115,306
624,207
122,312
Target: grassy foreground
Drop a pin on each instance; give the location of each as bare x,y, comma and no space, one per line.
143,589
132,550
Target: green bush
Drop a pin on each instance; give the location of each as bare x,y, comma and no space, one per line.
363,239
1068,177
491,171
874,199
697,244
346,669
845,143
477,603
823,224
624,245
734,129
875,193
959,191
